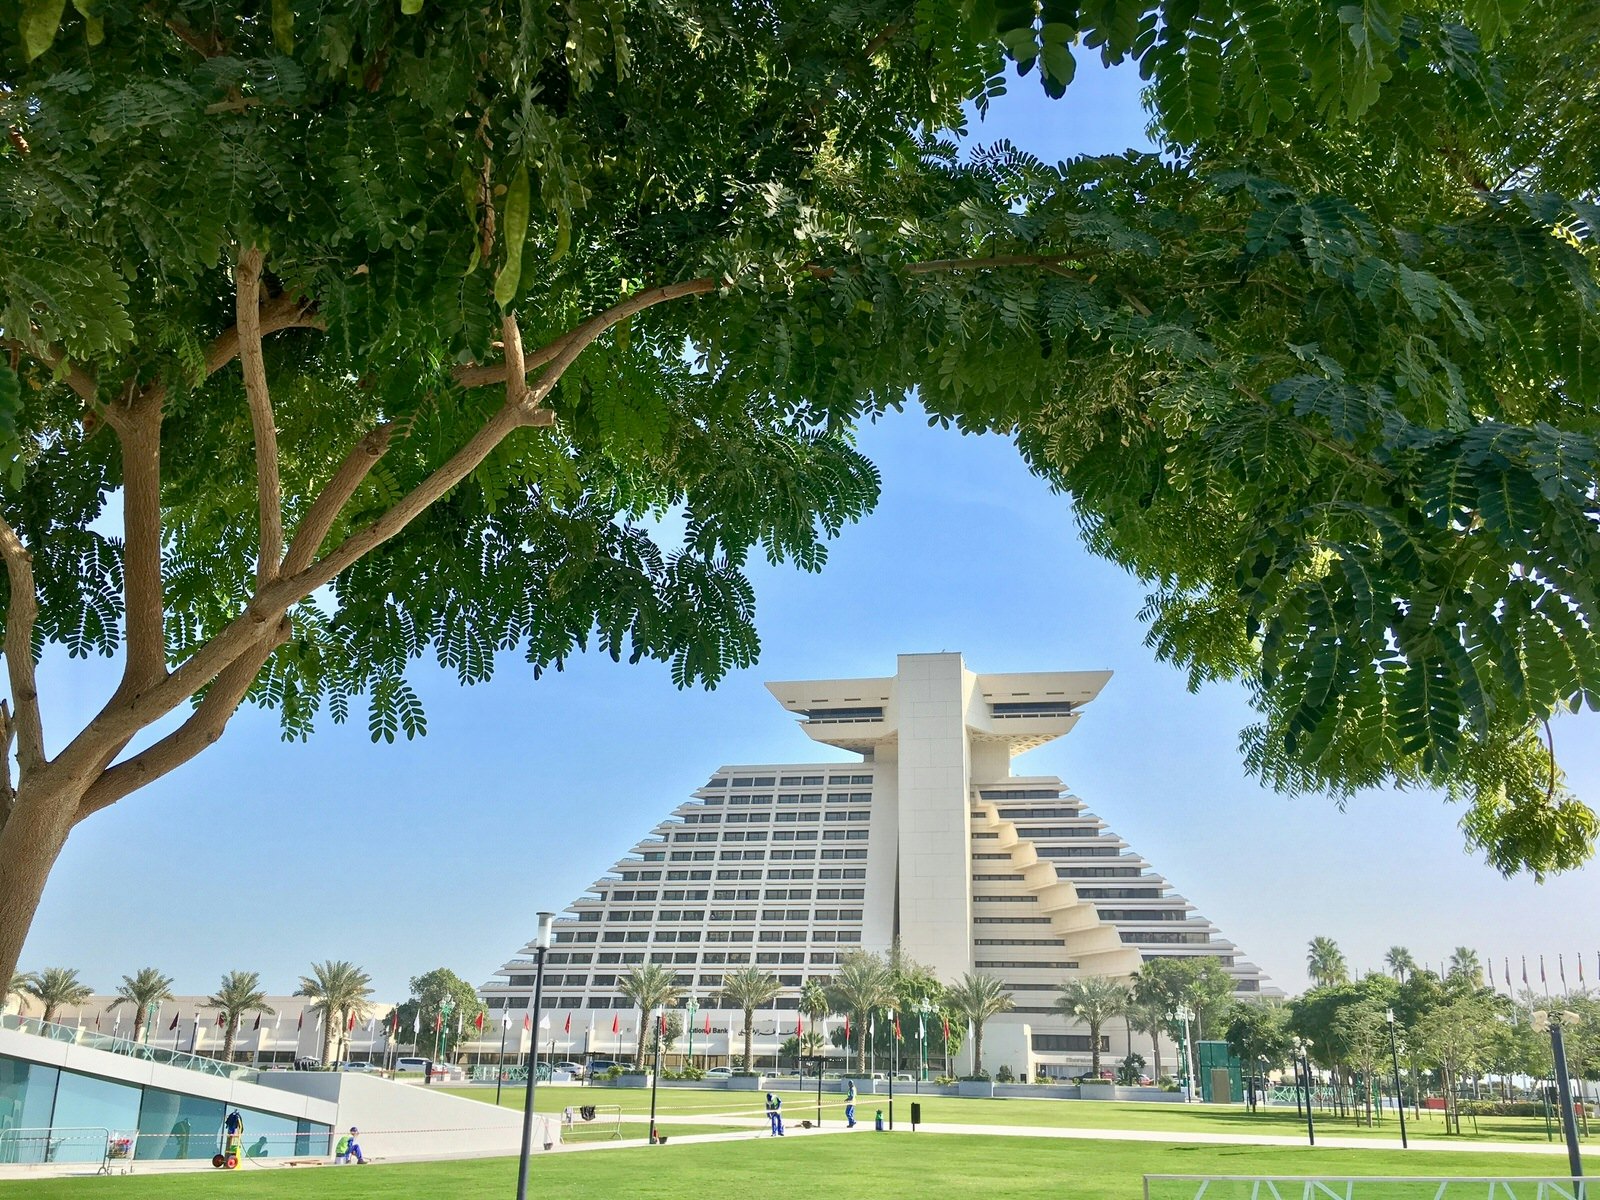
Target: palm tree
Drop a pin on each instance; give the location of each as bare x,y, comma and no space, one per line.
1325,962
57,988
1149,1018
1400,962
1094,1000
650,987
863,984
240,993
19,989
144,989
338,991
747,989
1464,964
814,1000
976,997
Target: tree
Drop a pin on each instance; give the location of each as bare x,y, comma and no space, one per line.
1325,962
424,1010
239,992
1363,1031
56,988
1149,1018
1466,966
338,991
1258,1035
814,1001
18,987
1094,1000
1325,382
748,989
1399,961
1454,1037
145,990
974,998
1201,984
649,987
666,1029
807,1044
863,984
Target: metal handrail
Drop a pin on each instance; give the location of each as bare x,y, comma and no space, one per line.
129,1048
1323,1187
54,1137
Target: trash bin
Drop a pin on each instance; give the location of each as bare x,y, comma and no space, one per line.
916,1115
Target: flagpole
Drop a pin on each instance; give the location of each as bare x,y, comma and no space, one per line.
500,1071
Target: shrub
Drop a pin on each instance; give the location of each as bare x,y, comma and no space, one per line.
612,1074
1004,1075
1501,1108
692,1073
945,1080
980,1077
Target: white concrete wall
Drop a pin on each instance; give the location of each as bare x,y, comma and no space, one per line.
120,1068
935,859
400,1120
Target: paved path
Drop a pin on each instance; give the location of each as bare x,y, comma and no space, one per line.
1244,1139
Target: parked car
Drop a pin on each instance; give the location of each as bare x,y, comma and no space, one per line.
904,1077
571,1068
364,1068
411,1064
599,1066
719,1073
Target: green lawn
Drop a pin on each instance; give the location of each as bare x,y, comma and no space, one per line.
861,1166
1059,1114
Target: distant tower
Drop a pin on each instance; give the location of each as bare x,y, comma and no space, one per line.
930,840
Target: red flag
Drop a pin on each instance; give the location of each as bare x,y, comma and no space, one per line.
527,1022
946,1021
799,1030
1542,979
898,1036
478,1022
847,1029
567,1028
219,1021
394,1021
616,1023
438,1022
708,1022
350,1025
174,1024
661,1024
301,1023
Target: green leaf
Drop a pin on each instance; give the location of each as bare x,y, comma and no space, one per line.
410,8
40,21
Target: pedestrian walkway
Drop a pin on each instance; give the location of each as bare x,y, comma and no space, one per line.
1242,1139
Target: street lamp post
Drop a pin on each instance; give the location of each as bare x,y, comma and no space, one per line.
691,1008
1302,1049
541,944
1399,1098
446,1007
1553,1021
1181,1016
655,1074
924,1010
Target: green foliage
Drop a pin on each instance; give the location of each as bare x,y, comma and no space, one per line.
425,1008
1322,376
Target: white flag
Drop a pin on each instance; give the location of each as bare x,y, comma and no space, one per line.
508,1020
372,1024
544,1021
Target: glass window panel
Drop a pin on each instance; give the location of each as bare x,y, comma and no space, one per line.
174,1126
27,1094
83,1101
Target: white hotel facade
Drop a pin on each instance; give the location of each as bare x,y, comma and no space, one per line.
929,840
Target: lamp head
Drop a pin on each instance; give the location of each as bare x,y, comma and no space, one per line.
546,933
1388,1014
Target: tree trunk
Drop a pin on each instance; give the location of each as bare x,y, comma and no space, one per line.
638,1061
30,842
749,1038
227,1038
1155,1047
977,1047
1094,1049
138,1022
327,1036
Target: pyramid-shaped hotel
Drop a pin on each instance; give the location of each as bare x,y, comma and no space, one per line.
929,840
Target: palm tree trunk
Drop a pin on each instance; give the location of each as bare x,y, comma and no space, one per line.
1155,1046
977,1047
644,1020
327,1036
1094,1048
861,1045
138,1022
749,1037
227,1038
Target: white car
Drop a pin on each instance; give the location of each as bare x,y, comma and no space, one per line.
720,1073
411,1064
571,1068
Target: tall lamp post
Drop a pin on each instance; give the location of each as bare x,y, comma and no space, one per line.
924,1010
690,1008
541,943
1399,1098
1181,1016
1302,1051
1553,1021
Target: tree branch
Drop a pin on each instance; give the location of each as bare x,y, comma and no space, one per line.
53,357
204,726
516,364
24,720
325,509
282,312
269,488
138,427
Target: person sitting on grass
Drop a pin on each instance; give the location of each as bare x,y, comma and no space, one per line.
348,1148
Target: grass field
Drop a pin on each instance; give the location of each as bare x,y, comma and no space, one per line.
1060,1114
861,1166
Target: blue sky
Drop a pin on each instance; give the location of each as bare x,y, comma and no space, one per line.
266,856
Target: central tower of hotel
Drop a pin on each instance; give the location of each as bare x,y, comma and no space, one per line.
930,840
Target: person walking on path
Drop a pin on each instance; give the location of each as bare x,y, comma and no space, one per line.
850,1103
777,1115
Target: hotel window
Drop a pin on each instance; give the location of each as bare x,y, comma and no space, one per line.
849,935
827,914
860,815
638,935
666,935
850,914
822,935
783,835
835,816
689,935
